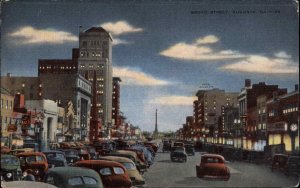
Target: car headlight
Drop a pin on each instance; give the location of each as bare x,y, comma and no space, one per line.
36,171
25,174
9,175
71,160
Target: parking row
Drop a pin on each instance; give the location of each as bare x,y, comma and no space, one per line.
117,164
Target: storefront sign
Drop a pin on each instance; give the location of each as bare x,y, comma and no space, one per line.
11,128
278,126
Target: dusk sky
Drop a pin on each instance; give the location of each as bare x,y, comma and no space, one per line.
163,51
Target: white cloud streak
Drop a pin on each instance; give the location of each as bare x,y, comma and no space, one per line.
265,65
173,100
120,28
133,77
30,35
200,51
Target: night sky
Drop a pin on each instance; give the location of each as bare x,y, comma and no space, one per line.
163,50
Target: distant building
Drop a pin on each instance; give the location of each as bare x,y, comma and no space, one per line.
116,119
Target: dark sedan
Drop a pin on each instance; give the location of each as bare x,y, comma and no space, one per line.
178,154
55,158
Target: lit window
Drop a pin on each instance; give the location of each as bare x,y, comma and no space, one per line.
23,85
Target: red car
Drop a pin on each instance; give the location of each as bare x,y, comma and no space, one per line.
213,166
113,174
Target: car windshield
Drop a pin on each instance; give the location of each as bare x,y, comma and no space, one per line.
55,155
34,158
9,161
129,166
71,152
212,160
179,149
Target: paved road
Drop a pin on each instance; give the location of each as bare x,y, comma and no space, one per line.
164,173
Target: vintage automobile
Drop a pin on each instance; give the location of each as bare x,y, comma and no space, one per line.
55,158
279,162
292,166
10,168
178,154
149,157
134,174
212,166
5,150
178,144
152,145
189,149
21,150
69,177
142,167
113,174
72,155
34,163
92,152
166,146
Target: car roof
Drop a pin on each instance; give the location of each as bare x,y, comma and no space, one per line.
126,152
72,171
102,163
117,159
30,154
213,155
4,156
53,151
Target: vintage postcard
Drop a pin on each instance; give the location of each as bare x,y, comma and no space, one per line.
178,93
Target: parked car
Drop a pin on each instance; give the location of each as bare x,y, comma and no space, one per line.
56,158
72,155
10,168
21,150
92,152
5,150
212,166
71,177
113,174
142,167
33,145
178,154
279,162
189,149
293,165
134,174
34,163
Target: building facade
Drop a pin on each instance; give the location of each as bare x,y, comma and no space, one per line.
6,118
116,119
95,57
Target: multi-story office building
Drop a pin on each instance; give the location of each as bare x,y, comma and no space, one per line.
95,57
248,110
116,119
283,120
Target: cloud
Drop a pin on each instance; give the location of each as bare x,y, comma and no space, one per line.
117,41
30,35
263,64
200,51
282,54
210,39
138,78
173,100
120,27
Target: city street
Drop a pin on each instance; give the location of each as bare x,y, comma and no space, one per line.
164,173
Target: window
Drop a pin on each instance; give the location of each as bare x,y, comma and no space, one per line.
6,106
75,181
89,180
105,171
